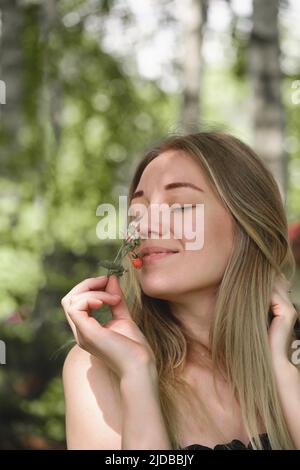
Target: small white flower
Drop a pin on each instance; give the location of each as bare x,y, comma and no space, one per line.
132,232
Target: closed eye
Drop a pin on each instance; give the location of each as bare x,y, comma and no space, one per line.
134,219
182,208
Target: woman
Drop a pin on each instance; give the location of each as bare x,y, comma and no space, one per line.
192,360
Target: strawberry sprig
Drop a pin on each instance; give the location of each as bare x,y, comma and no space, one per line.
128,245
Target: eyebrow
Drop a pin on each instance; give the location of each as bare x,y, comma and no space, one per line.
170,186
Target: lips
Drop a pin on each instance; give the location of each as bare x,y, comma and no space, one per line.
150,254
156,257
155,250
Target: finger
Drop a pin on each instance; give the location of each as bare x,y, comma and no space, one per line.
120,310
106,297
89,284
85,304
73,328
86,285
98,340
286,314
86,325
81,304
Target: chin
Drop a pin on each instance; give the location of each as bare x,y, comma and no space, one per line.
158,287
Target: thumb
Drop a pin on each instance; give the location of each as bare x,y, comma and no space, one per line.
119,311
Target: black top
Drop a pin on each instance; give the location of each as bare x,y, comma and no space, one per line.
233,445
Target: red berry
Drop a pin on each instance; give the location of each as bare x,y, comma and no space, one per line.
137,263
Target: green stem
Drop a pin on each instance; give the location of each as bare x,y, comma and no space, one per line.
109,271
121,247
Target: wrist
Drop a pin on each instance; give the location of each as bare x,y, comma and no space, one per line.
283,367
140,376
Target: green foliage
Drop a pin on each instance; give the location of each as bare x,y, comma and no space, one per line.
293,146
84,120
49,408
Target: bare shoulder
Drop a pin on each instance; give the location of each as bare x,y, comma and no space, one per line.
92,401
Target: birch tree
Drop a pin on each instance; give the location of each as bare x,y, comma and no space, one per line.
11,75
193,14
265,78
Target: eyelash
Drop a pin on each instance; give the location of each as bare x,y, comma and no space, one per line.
135,219
183,207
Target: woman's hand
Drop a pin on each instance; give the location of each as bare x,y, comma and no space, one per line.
282,325
119,342
285,372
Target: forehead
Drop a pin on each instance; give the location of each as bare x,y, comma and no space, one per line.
172,165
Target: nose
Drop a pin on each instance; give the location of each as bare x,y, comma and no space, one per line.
151,224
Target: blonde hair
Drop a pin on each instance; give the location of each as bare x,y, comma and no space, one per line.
239,333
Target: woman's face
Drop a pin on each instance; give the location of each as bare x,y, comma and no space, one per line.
188,270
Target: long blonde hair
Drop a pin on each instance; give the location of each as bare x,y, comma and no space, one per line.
239,333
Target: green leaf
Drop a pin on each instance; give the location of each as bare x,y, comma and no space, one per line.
110,265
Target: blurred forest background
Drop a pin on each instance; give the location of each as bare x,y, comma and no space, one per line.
86,86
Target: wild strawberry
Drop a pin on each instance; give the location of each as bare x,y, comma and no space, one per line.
137,263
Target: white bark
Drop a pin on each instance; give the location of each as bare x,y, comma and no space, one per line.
265,78
193,14
51,87
11,73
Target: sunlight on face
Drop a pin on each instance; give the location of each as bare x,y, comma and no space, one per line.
168,277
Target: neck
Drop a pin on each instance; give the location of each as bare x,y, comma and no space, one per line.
195,312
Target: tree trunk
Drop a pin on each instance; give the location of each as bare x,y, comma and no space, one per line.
265,78
51,92
11,74
193,14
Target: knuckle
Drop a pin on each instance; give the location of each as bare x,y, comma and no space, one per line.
84,339
71,311
81,343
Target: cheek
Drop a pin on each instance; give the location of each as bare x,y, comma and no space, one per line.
193,268
213,257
